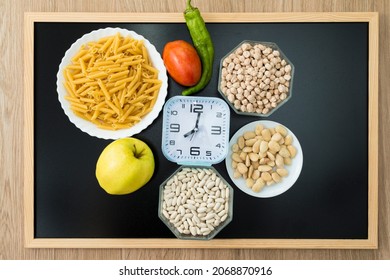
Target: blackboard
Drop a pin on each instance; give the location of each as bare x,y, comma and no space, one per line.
329,113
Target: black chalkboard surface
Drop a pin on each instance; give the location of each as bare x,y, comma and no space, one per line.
328,113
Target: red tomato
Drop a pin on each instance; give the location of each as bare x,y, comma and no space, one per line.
182,62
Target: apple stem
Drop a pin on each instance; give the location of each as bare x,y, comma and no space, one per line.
135,152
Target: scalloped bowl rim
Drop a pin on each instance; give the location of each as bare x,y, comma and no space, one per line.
89,127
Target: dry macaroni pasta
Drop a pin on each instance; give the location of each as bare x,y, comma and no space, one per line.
112,82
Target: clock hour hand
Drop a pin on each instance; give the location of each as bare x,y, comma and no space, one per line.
190,133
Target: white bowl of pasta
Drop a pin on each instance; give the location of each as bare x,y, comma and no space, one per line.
112,83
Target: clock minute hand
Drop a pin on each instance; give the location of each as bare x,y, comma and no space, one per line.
197,120
195,129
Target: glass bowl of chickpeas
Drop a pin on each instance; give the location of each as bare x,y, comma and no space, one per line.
256,78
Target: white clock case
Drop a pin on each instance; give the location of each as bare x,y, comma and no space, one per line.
196,163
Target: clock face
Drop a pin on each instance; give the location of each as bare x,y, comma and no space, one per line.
195,129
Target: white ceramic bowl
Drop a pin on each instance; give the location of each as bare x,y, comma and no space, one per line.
89,127
287,182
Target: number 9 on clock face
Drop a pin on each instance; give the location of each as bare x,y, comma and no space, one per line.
195,129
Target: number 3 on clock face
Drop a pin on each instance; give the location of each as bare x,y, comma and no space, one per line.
195,129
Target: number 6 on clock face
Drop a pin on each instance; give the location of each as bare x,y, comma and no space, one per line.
195,129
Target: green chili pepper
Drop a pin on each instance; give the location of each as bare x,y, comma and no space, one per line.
203,44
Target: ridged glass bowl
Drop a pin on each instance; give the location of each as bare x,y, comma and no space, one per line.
166,211
224,93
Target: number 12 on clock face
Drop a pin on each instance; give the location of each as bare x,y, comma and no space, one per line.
195,129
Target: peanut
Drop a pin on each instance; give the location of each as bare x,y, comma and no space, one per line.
258,185
264,168
256,147
288,140
266,133
263,147
276,177
260,156
236,157
282,172
282,130
258,129
292,150
254,156
242,168
256,174
249,182
250,142
284,152
249,135
277,137
287,161
266,176
241,142
274,146
279,161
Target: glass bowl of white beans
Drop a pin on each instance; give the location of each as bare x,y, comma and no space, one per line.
195,203
256,78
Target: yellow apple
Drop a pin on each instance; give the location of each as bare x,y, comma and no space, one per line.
124,166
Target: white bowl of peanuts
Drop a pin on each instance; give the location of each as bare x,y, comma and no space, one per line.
195,203
256,78
265,159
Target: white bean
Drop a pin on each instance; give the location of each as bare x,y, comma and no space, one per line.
224,217
210,216
177,219
196,219
193,230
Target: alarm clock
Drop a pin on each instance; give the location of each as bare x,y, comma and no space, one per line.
195,130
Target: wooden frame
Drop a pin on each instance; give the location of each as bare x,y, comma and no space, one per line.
31,242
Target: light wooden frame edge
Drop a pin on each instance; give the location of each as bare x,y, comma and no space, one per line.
371,242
